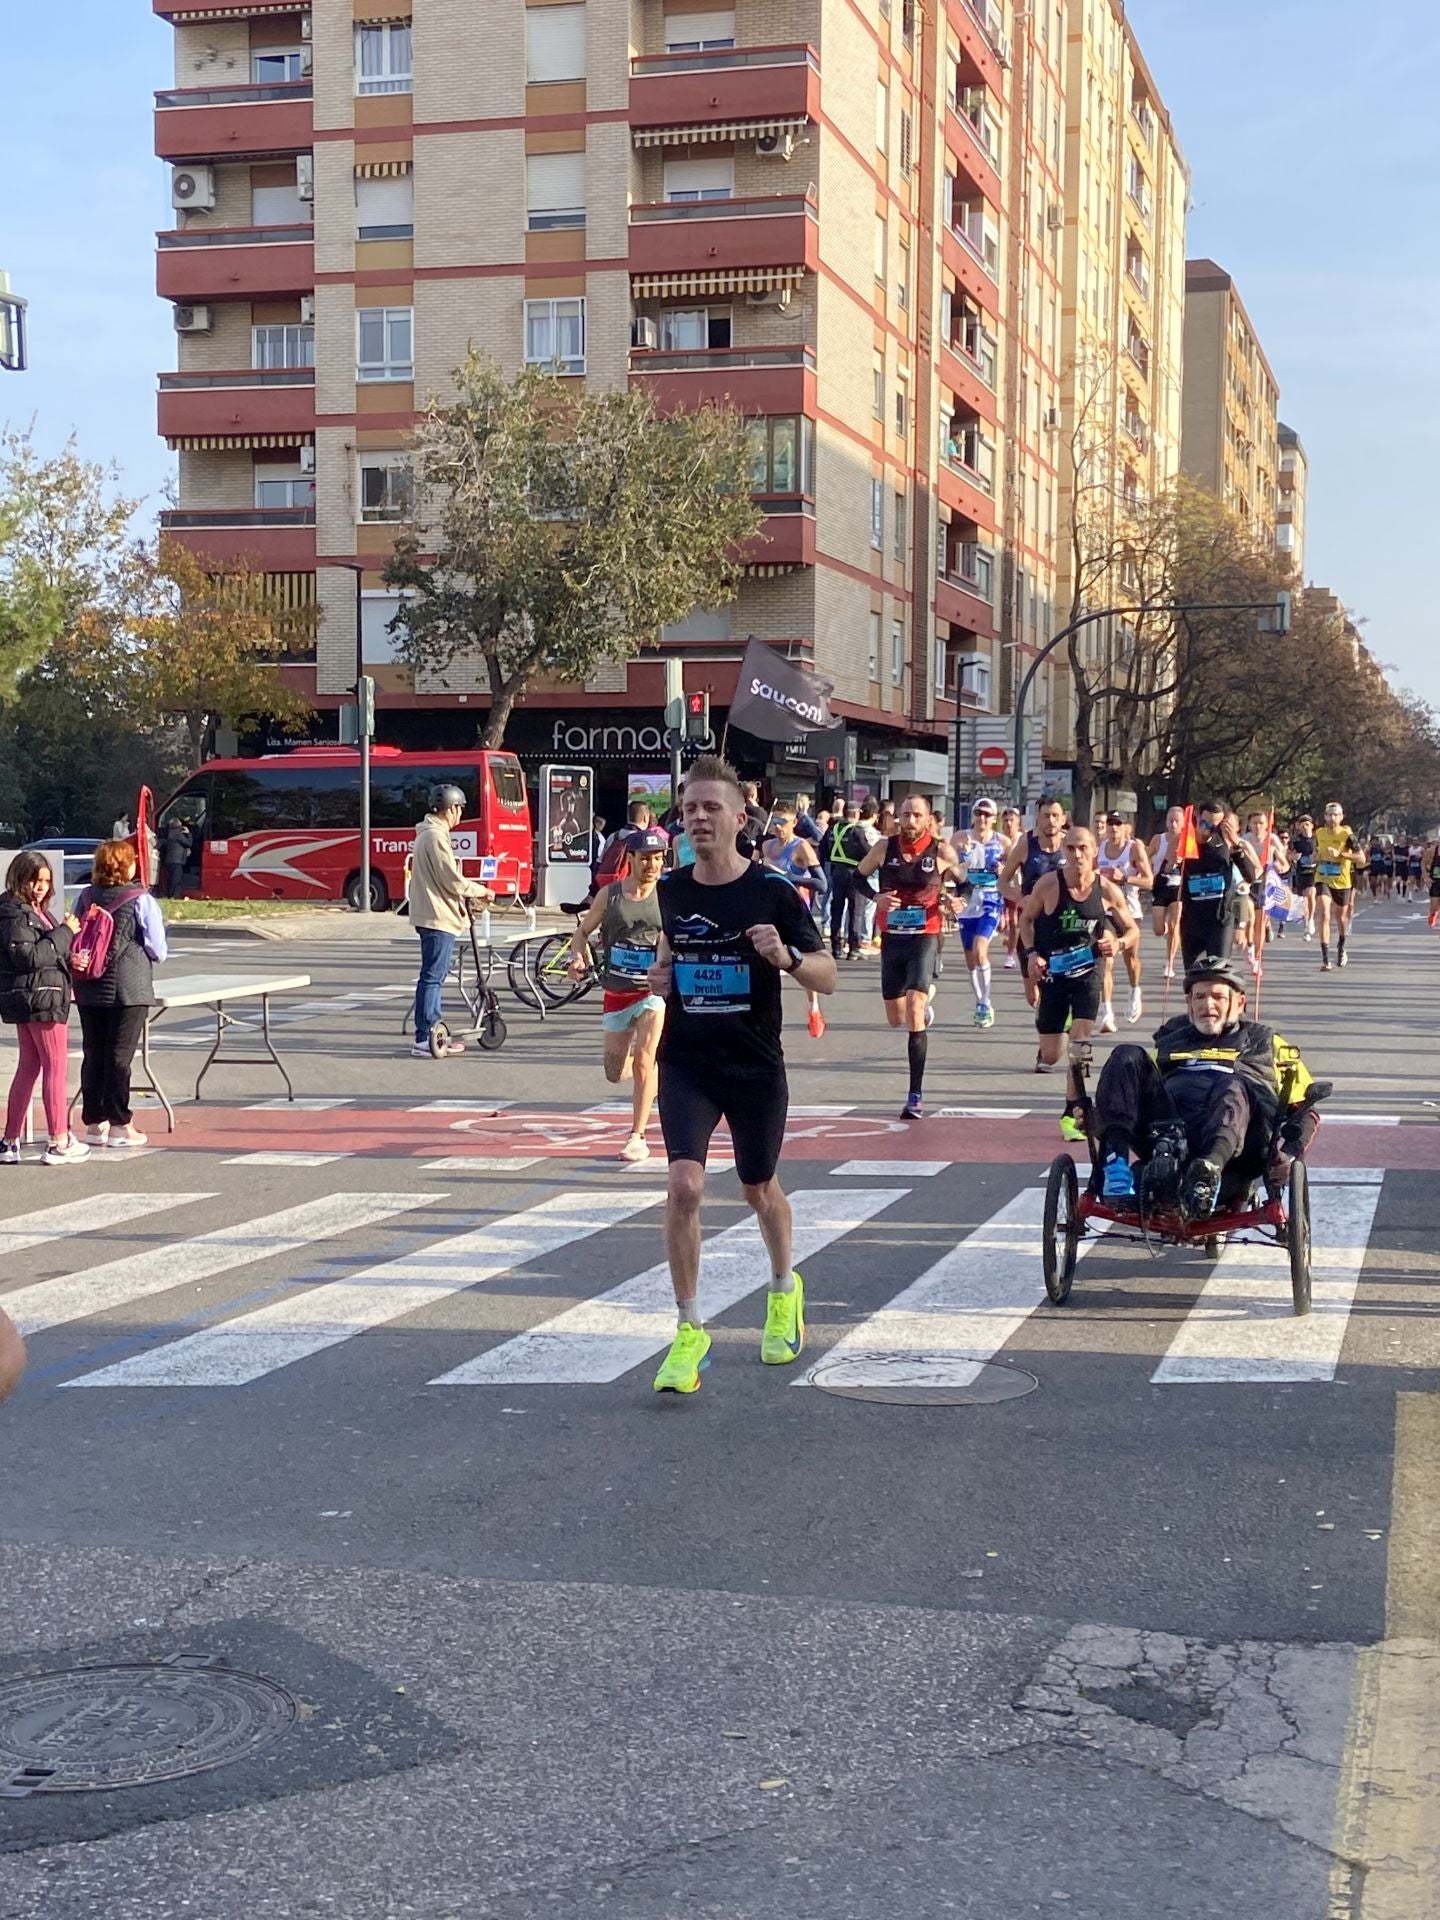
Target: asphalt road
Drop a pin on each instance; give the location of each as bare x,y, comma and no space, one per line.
1122,1645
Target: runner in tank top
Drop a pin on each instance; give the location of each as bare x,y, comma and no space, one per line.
916,874
1125,864
1164,851
1011,828
1032,856
981,853
785,852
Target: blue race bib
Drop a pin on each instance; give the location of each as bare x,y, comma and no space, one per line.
1331,870
633,962
1205,886
718,985
906,920
1071,963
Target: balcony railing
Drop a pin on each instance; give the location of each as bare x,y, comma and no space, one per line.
761,205
718,359
960,458
177,519
1135,427
986,254
1139,352
977,348
189,382
981,123
972,569
985,17
718,59
1138,189
236,236
236,96
1139,277
1144,120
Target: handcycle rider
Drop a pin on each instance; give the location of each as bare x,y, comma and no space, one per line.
1202,1107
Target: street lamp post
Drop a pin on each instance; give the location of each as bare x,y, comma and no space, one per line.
364,727
1278,609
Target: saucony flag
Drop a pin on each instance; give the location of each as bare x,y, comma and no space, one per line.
777,700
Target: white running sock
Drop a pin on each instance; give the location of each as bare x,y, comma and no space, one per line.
687,1313
982,982
976,984
785,1284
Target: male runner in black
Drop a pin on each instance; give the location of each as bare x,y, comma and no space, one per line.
1031,857
1207,900
731,929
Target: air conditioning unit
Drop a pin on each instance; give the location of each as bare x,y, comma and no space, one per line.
192,319
307,58
307,459
780,298
192,187
307,26
1001,43
644,331
307,309
305,176
1054,216
776,146
1052,419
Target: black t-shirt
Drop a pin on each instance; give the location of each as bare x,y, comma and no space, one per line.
723,1009
1209,886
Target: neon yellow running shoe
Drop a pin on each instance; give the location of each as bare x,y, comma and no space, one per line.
689,1353
784,1333
1070,1128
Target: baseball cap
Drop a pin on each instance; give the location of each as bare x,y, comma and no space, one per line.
983,805
647,840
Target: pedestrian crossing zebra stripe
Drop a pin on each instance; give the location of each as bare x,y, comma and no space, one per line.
136,1276
971,1302
1242,1328
94,1214
301,1324
603,1338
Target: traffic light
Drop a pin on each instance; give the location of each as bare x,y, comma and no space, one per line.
697,718
832,769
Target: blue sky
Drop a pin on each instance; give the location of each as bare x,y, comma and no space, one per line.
1312,138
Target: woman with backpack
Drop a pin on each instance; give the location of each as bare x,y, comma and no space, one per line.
121,933
35,1000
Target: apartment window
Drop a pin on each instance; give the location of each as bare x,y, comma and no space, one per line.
554,44
385,209
695,32
382,59
273,66
386,348
377,643
875,624
555,330
692,329
897,653
554,190
877,514
386,486
899,526
280,206
700,179
878,402
882,116
283,487
907,144
942,666
902,411
881,251
272,347
778,454
974,679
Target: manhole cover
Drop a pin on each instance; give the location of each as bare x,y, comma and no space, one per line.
921,1379
93,1728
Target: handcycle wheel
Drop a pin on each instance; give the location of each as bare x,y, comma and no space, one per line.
439,1040
1060,1242
1297,1208
491,1031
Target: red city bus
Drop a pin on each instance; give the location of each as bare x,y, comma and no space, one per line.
286,826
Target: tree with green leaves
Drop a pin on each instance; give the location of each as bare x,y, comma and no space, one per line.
559,529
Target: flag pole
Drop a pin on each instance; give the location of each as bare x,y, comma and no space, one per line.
1263,917
1187,840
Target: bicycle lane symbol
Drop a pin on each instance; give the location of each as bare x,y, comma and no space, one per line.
558,1132
855,1127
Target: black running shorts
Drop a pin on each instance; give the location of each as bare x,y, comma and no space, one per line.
753,1106
1342,896
907,963
1073,997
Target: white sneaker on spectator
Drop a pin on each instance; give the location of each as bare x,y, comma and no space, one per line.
62,1153
127,1137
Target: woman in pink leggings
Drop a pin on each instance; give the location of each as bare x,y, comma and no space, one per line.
35,1000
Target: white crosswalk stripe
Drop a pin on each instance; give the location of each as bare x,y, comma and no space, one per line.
970,1302
301,1324
136,1276
603,1338
91,1215
1243,1330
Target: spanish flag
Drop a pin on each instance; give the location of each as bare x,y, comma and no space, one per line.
1189,845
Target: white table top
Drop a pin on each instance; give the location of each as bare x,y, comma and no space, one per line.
207,989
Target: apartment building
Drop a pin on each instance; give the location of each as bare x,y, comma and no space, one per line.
854,223
1122,330
1290,504
1229,439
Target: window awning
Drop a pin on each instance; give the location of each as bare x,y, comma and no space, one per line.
665,286
224,442
709,131
772,569
382,169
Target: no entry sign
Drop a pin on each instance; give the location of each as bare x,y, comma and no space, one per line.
993,762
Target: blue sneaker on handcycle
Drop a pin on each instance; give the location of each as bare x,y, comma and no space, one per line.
1119,1181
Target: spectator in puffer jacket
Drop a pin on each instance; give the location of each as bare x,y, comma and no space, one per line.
35,999
114,1008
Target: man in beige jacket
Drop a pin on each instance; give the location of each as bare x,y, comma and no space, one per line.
438,893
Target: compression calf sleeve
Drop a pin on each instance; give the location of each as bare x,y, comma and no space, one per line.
917,1048
982,982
